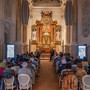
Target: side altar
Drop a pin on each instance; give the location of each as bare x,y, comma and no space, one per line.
46,33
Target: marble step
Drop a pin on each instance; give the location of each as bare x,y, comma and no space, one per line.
45,56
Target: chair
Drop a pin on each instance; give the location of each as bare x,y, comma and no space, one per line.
86,82
33,78
60,77
24,81
74,68
9,83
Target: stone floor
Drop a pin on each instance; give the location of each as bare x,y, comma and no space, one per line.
48,79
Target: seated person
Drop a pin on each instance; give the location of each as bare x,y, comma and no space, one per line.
69,81
8,72
33,70
88,71
34,62
25,70
80,72
16,67
67,69
31,66
2,63
2,67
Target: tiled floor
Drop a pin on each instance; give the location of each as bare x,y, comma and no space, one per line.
48,79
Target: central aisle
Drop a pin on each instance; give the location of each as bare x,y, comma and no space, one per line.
48,79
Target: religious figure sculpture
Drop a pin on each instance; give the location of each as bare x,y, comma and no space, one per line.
57,36
34,35
46,38
58,33
34,32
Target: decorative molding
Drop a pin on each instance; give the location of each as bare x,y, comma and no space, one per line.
8,9
47,3
7,26
86,18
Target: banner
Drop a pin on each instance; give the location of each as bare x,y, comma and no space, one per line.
82,52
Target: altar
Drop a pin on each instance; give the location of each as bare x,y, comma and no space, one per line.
46,33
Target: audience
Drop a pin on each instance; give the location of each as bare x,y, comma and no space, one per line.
70,70
29,63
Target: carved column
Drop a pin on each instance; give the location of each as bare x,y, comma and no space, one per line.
68,20
25,12
75,22
24,33
68,34
18,20
25,46
74,30
8,18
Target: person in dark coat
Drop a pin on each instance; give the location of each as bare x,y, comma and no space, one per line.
51,53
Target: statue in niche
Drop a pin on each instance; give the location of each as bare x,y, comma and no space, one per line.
46,37
58,33
34,33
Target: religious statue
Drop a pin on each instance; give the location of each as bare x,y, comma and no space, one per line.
34,35
58,33
34,32
46,38
57,36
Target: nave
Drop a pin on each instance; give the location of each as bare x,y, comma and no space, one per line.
48,79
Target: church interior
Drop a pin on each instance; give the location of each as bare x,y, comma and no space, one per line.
44,35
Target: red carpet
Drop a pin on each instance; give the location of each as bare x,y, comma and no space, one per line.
48,79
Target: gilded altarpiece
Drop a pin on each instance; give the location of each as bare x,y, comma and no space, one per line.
46,33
